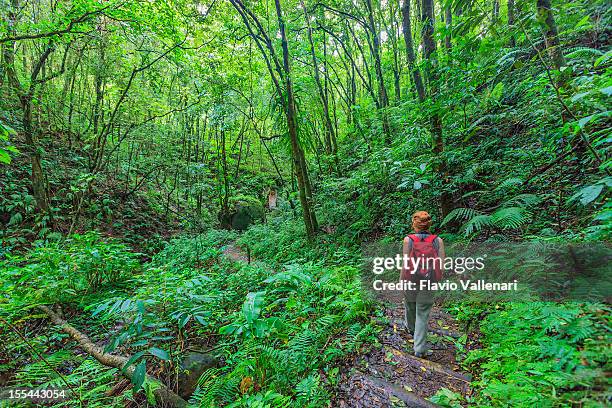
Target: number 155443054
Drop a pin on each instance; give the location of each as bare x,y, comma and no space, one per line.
34,394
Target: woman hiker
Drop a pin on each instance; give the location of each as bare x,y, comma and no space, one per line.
425,254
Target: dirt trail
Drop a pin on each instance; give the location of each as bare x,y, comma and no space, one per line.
391,376
235,253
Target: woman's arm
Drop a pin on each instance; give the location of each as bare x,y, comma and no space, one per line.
441,250
441,253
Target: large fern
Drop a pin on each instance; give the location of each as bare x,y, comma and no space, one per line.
510,218
583,52
460,214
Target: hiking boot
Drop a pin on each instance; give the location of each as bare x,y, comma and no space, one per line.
426,354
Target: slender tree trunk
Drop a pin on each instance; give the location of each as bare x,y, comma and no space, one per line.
448,18
511,22
410,55
495,10
551,34
396,64
334,133
382,90
305,192
329,128
226,186
429,49
39,180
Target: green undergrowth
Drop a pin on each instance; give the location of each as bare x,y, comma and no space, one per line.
278,332
542,354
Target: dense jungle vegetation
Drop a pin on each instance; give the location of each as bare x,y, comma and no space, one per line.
186,188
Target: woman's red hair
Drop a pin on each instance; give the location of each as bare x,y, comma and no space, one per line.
421,221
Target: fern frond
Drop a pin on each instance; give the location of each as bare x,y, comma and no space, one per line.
460,214
583,52
522,200
477,224
510,218
508,59
512,181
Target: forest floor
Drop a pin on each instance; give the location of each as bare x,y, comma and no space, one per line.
391,375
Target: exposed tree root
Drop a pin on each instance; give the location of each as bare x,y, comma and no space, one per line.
163,395
411,399
431,365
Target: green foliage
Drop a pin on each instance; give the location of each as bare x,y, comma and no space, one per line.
149,117
447,398
543,354
65,271
309,309
278,328
5,147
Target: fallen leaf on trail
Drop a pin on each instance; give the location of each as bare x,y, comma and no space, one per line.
407,388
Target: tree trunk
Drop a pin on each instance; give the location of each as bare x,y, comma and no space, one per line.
301,172
39,181
226,186
382,90
396,64
410,55
448,17
511,22
551,34
329,128
429,49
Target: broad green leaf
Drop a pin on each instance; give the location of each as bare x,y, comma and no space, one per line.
132,360
4,157
139,375
157,352
252,305
607,90
588,194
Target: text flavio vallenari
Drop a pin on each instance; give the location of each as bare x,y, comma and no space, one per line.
467,285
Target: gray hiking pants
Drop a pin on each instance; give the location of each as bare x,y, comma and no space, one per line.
416,314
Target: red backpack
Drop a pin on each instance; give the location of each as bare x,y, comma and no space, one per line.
425,249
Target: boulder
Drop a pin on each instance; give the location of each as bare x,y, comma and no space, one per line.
244,211
192,367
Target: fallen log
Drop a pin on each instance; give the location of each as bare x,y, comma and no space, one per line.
163,395
411,399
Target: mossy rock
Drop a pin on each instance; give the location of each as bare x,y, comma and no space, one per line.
245,211
192,367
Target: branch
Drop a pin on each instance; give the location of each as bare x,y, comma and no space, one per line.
85,17
163,395
583,135
342,13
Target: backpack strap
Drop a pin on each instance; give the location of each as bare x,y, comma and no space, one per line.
415,238
430,238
